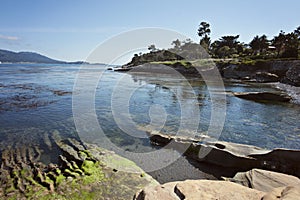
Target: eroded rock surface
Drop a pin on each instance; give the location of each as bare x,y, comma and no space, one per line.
82,172
199,189
214,190
264,180
293,76
264,71
284,193
234,156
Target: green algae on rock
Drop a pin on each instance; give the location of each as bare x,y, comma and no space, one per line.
83,172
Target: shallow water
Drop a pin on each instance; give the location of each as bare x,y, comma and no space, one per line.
35,101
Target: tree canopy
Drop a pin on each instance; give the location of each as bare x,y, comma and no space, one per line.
284,45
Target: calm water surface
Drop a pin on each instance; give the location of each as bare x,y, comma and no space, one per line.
35,101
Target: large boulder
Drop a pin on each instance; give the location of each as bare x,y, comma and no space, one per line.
238,157
292,76
283,193
264,180
199,189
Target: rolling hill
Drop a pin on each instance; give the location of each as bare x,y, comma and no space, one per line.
27,57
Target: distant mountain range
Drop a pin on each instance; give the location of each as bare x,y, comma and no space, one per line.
29,57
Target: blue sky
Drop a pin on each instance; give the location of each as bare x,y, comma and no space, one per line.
71,29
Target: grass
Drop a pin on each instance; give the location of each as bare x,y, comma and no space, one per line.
187,64
172,62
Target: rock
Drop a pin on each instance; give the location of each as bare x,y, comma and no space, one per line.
264,77
264,180
165,191
199,189
61,92
292,76
280,160
233,72
264,71
237,157
283,193
81,172
263,96
122,69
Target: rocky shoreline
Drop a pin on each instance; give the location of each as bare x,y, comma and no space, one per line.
223,190
262,71
86,171
281,74
83,171
239,157
283,71
255,176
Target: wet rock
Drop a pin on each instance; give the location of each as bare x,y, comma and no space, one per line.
264,71
61,92
235,72
263,96
237,157
293,76
199,189
23,176
264,77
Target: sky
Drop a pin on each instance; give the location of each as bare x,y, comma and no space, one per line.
71,29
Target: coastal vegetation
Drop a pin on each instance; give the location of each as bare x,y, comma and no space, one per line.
284,46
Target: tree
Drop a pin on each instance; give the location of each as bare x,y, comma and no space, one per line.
231,46
278,42
152,48
230,41
176,44
204,29
203,33
291,46
225,52
259,44
297,32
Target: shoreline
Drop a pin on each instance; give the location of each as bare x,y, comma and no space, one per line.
262,71
86,165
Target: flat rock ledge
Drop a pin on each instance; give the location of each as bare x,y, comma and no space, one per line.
239,157
263,96
214,190
83,171
255,179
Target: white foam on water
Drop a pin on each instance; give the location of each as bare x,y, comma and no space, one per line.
292,91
